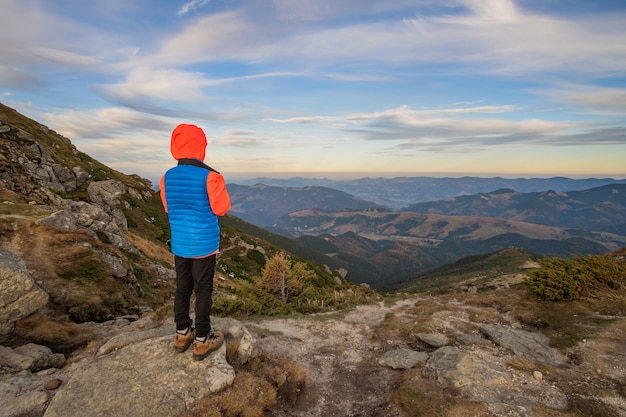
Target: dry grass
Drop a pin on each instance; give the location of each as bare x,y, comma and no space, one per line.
259,386
64,336
150,249
249,396
418,395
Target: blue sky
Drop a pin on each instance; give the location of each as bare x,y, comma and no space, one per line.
328,87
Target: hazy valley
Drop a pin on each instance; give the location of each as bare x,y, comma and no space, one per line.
380,246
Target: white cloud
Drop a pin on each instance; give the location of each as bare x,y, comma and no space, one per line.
190,6
503,10
160,83
588,98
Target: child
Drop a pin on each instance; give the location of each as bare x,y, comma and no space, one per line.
194,195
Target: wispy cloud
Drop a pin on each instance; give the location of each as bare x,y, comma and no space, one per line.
191,6
589,98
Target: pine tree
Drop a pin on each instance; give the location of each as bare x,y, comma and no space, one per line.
284,279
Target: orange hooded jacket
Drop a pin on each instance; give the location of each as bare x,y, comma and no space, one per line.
189,142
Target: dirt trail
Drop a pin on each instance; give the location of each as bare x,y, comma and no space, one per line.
341,354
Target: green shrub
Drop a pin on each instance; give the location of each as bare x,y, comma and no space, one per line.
256,256
581,277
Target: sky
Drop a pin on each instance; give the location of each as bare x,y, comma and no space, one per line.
334,88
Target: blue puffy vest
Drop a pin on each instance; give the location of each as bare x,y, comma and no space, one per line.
195,229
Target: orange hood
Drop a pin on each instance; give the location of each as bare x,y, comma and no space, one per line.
188,141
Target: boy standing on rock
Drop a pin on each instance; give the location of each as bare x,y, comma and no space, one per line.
194,195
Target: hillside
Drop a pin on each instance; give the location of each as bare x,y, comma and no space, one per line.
263,205
401,245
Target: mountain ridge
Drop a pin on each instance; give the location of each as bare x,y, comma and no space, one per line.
399,192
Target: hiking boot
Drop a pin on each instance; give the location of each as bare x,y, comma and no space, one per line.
183,341
202,349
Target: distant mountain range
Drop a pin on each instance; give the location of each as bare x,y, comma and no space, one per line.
380,245
401,192
601,208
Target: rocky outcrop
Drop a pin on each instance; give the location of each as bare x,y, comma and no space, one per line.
38,164
20,296
492,383
134,372
480,376
148,378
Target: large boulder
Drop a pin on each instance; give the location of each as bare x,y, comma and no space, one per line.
142,375
20,296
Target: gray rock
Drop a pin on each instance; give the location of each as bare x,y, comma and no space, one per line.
19,295
461,370
433,339
143,379
114,264
124,339
402,358
61,220
107,193
235,332
93,217
23,393
532,346
18,403
39,357
81,175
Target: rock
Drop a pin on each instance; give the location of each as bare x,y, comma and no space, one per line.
21,404
108,195
61,220
237,334
20,296
402,358
433,339
52,384
143,376
461,370
30,357
114,264
124,339
13,362
22,393
143,379
532,346
479,380
94,217
40,357
471,339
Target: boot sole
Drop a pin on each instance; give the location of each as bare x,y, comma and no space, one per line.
197,357
182,349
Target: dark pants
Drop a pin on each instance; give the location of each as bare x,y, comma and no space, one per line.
194,275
